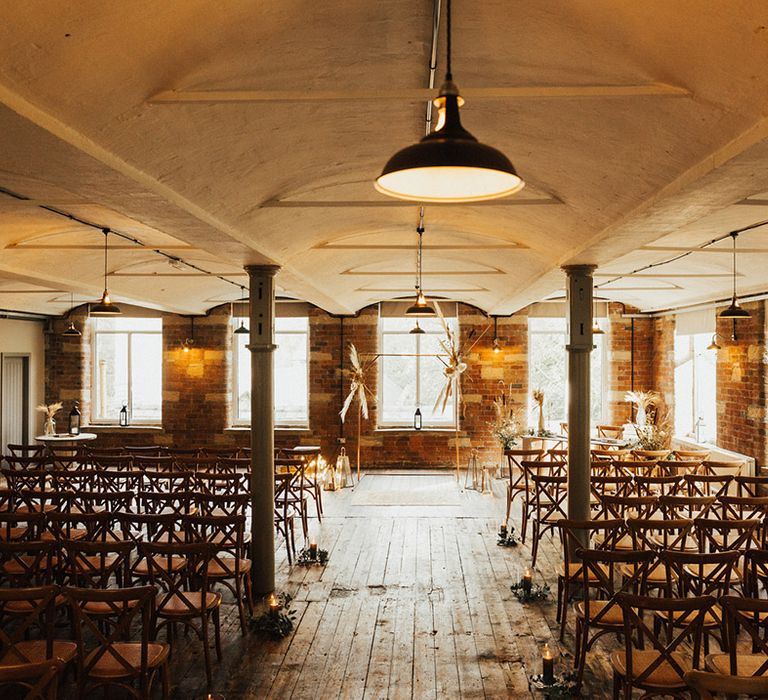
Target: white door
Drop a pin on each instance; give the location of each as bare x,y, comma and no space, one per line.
14,406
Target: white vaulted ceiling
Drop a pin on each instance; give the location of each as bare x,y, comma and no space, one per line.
249,132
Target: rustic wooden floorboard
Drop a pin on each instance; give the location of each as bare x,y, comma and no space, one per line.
413,603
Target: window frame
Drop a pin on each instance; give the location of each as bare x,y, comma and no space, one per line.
604,374
95,333
403,425
239,422
693,398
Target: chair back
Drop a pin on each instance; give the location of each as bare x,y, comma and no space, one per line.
722,467
657,485
712,685
691,611
659,534
630,506
753,486
95,564
96,642
746,614
27,564
38,603
716,535
698,574
37,679
686,506
707,484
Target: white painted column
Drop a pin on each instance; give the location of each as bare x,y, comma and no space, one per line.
262,347
579,285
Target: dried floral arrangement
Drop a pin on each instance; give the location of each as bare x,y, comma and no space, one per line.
50,409
505,426
653,425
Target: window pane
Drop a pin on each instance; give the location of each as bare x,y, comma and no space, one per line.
127,323
705,367
111,373
684,383
548,372
291,390
398,374
147,379
432,380
291,372
596,380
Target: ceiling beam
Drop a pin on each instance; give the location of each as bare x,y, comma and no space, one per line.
396,203
415,94
133,247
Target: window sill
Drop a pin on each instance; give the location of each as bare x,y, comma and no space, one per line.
280,428
124,428
405,429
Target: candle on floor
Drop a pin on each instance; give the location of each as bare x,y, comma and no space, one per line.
527,581
548,665
274,604
313,550
503,529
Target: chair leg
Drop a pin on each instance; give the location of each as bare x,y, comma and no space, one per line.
535,543
564,608
509,501
217,632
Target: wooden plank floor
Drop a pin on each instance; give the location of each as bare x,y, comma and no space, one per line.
413,603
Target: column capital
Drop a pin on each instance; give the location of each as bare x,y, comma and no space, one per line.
269,270
571,270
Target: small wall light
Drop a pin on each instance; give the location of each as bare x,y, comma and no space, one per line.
496,341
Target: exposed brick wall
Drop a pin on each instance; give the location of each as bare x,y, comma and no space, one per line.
627,338
741,384
662,365
197,385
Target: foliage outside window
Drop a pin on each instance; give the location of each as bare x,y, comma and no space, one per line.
548,370
291,373
127,369
415,377
695,387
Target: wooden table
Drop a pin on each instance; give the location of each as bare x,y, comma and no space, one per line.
65,439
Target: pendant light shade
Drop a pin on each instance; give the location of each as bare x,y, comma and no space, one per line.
734,310
417,329
71,331
242,329
596,330
449,164
105,307
420,307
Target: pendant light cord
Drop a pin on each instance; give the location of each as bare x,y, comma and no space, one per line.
106,234
448,72
734,235
420,232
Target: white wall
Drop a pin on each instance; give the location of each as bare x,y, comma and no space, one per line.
26,338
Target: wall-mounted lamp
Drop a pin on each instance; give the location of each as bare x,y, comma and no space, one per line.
496,342
189,342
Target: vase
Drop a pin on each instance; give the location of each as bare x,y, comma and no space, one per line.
542,425
640,417
50,426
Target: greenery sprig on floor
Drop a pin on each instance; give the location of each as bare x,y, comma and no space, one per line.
565,686
507,537
277,623
524,594
307,557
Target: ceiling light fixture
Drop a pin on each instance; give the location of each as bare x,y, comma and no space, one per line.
449,164
734,310
420,307
596,330
71,331
242,329
714,344
105,307
496,342
417,329
189,342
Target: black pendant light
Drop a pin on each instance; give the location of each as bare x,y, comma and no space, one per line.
105,307
596,329
242,329
734,310
186,346
71,331
420,307
714,345
417,329
449,164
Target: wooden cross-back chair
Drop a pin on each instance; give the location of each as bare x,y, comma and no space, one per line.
748,615
15,525
603,614
675,467
745,508
707,484
722,467
37,680
614,432
26,635
235,504
698,574
184,597
516,481
755,573
104,658
655,665
98,501
531,468
180,502
710,686
96,564
84,479
686,506
229,564
27,563
285,513
656,535
549,506
165,480
657,485
754,486
221,483
574,535
15,450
